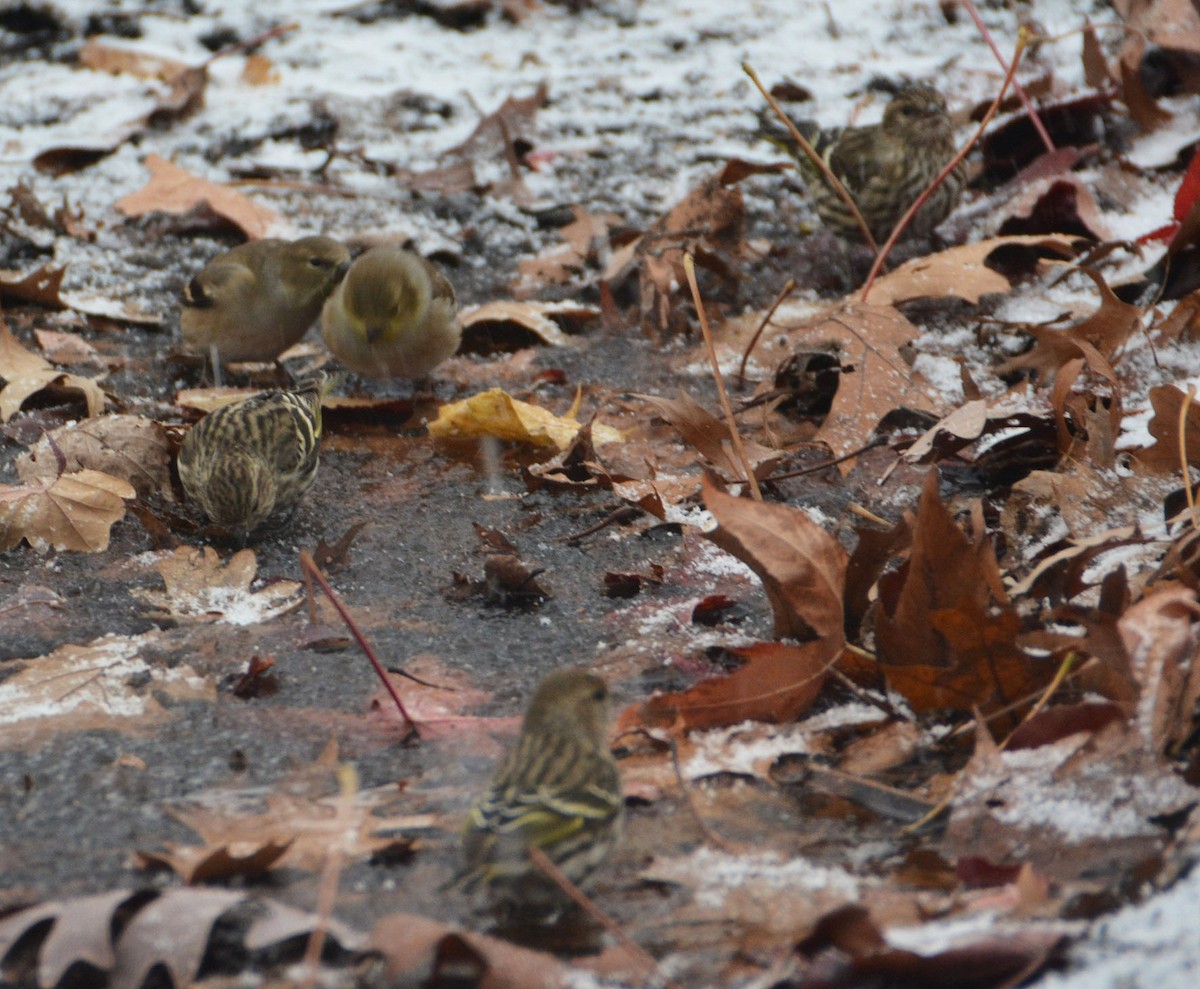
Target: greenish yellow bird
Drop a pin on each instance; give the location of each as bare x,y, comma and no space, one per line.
392,316
251,461
558,789
255,301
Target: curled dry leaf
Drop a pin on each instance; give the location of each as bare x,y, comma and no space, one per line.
497,414
802,567
536,318
70,511
25,373
200,588
129,447
42,286
172,190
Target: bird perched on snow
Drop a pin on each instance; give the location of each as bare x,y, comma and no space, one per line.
886,166
558,789
255,301
392,316
252,460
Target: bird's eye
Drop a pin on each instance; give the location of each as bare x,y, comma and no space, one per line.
315,262
600,694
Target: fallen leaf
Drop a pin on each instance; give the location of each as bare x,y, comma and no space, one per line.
802,567
532,318
958,271
875,378
65,512
201,864
496,413
200,588
106,684
25,373
307,827
710,436
42,285
172,190
129,447
777,683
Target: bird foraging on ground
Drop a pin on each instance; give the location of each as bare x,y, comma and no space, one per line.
252,461
886,166
255,301
558,790
392,316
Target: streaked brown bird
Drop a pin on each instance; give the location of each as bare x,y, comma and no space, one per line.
251,461
558,789
886,166
255,301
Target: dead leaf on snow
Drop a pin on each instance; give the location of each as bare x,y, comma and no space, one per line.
1161,635
129,447
497,414
106,684
1096,339
65,512
172,190
1167,402
200,588
959,271
25,374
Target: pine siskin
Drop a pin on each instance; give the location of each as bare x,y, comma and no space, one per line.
254,459
558,789
393,316
886,166
255,301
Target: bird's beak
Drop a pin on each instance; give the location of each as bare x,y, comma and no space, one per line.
373,333
340,271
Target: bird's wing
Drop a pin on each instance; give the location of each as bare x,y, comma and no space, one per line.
221,279
440,287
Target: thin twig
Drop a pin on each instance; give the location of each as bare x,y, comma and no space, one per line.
788,287
255,42
1022,40
542,861
819,163
689,267
1020,90
816,468
625,513
309,566
709,834
330,874
1183,454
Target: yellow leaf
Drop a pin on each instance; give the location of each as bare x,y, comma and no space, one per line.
496,413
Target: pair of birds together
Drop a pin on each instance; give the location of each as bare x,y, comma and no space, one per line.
388,314
392,314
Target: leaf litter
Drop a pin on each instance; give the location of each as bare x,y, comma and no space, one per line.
980,622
